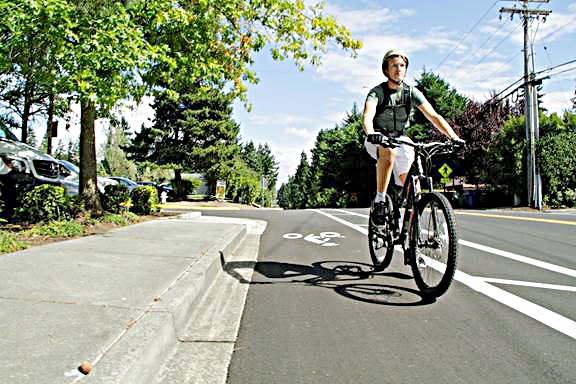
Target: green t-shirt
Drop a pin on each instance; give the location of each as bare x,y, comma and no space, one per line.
394,121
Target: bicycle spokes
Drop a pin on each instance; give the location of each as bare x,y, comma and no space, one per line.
434,244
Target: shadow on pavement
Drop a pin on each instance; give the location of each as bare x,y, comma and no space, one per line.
349,279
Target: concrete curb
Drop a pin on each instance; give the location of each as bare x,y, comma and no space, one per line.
143,348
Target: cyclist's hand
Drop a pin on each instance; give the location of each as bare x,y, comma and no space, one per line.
458,142
375,138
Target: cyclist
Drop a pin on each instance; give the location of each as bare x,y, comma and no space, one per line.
387,111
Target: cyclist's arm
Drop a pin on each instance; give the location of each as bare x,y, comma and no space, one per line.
438,121
368,115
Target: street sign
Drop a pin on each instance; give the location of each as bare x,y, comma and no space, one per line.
445,180
220,189
445,170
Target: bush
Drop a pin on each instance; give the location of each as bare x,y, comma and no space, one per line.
557,156
68,228
120,219
115,198
47,203
144,200
9,243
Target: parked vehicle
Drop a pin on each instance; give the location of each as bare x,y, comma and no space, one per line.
22,167
131,184
70,178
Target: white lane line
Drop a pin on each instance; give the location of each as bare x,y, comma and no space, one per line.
509,255
567,288
545,316
350,213
342,221
520,258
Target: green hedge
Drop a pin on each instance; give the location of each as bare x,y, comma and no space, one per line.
144,200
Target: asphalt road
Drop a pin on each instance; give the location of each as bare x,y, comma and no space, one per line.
316,314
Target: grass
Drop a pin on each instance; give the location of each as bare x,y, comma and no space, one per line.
20,237
10,243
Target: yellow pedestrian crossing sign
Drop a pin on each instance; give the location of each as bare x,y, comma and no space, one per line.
445,170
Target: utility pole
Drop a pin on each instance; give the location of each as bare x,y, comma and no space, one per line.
534,184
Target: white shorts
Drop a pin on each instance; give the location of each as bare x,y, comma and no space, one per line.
404,157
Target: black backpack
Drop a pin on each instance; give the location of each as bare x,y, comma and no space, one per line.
406,102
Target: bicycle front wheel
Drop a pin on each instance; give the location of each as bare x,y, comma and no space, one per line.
381,239
434,244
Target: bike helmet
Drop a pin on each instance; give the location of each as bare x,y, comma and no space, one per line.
392,53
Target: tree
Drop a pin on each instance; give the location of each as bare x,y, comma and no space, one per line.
341,170
556,151
115,162
107,51
505,165
445,100
32,36
194,133
478,125
301,184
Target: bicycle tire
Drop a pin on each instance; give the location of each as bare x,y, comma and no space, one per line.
380,239
434,244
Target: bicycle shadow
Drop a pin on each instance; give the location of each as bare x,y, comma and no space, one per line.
352,280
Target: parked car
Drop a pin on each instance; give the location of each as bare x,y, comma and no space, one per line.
22,167
131,184
70,178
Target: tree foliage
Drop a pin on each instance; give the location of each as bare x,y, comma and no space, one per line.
101,52
443,98
115,161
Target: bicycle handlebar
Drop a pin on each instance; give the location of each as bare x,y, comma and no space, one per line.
430,149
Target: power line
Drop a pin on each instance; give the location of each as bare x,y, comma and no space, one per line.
465,36
556,66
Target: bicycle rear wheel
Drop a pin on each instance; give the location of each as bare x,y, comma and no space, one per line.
434,244
381,239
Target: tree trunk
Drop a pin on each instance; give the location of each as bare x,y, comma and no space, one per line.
28,95
88,186
49,123
178,182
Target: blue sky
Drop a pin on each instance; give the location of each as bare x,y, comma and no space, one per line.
464,42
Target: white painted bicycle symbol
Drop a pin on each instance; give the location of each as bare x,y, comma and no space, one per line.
323,239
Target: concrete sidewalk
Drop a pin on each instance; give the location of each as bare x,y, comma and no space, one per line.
113,300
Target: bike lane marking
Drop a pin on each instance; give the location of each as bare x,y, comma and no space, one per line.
541,314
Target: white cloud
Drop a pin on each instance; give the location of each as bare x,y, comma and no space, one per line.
360,21
558,101
300,133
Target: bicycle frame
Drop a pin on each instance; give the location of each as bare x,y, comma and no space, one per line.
409,194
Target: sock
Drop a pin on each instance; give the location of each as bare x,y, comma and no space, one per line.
380,197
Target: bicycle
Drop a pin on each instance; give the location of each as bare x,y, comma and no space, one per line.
428,233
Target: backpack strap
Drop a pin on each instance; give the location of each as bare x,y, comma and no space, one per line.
407,99
406,102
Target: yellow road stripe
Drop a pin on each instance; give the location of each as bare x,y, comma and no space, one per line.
551,221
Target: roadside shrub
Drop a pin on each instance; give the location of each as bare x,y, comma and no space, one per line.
47,203
64,228
144,200
557,155
9,243
120,219
115,197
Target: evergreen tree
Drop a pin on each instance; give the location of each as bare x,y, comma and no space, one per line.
115,162
444,99
194,132
301,184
